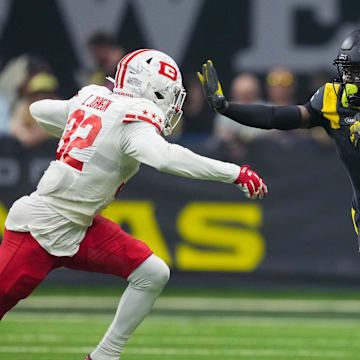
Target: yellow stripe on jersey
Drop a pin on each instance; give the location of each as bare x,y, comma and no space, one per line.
353,219
329,105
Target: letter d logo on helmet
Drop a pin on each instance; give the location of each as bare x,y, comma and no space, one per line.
168,70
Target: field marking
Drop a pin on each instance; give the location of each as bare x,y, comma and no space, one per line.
179,352
191,339
241,340
30,337
236,352
268,321
198,304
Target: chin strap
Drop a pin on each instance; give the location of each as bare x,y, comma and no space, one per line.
110,79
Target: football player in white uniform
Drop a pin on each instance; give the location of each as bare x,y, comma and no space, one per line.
104,136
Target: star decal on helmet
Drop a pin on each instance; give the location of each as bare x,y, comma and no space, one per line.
145,112
153,116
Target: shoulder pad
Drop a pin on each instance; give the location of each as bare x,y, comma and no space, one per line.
144,110
317,99
324,101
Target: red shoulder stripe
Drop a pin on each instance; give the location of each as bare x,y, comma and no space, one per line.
129,118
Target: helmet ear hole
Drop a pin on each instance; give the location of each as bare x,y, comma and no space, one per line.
158,95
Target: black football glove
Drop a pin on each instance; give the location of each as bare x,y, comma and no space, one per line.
212,88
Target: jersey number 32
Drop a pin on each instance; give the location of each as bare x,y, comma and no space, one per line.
80,133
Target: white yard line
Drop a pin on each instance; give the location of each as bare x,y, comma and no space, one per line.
244,340
237,352
268,321
180,352
197,304
141,339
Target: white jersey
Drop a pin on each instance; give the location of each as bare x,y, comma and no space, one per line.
103,139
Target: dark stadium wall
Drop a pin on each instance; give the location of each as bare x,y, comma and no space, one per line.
39,29
256,35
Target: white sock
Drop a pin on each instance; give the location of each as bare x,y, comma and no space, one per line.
145,285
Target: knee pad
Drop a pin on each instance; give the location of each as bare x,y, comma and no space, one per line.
152,273
162,275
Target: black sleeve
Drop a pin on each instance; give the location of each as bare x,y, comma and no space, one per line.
265,117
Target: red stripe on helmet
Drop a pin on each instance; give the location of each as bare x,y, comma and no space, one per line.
119,67
126,64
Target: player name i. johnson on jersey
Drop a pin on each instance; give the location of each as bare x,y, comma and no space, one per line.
97,102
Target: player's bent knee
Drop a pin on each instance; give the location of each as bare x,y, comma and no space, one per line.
12,291
6,303
162,276
152,274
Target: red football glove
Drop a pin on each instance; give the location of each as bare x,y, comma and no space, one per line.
250,183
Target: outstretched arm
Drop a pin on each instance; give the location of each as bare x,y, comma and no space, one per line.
145,145
259,116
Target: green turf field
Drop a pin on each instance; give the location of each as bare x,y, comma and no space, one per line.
64,327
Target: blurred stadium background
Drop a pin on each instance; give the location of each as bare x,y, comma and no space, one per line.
278,278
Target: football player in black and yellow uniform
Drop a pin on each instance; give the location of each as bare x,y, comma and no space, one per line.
335,107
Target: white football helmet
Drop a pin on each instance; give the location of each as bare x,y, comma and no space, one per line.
153,75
